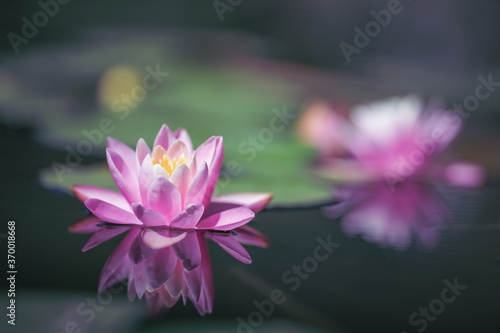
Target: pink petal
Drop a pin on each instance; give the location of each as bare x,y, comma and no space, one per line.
230,245
149,217
177,149
181,178
160,266
160,238
126,180
109,213
141,151
147,175
158,153
255,201
84,192
188,251
126,153
197,189
165,198
118,265
164,138
188,218
86,225
211,152
183,135
193,165
250,236
227,219
106,232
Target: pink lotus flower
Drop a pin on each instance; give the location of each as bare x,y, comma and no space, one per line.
165,204
392,141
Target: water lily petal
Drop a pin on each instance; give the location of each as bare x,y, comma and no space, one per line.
127,154
188,218
165,198
197,189
227,219
84,192
147,175
164,138
125,179
183,135
177,149
211,152
149,217
255,201
110,213
181,178
141,151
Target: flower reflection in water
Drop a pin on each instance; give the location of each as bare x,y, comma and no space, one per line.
389,218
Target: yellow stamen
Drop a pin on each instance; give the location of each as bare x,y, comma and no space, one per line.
170,164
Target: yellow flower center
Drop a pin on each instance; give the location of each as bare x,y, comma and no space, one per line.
170,164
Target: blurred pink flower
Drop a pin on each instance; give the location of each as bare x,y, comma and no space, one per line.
165,203
392,140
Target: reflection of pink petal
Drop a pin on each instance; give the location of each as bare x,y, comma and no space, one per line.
87,225
389,218
250,236
464,174
230,245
